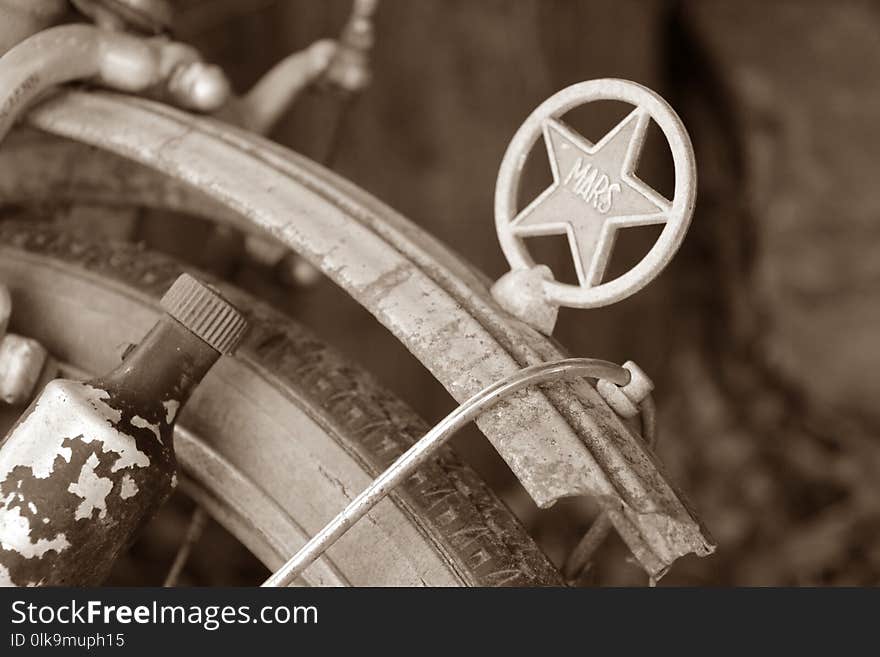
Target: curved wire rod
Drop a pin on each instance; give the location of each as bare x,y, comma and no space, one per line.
427,445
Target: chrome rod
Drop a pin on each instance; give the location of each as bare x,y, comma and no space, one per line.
425,447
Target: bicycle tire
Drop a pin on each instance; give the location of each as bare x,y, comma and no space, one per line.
443,527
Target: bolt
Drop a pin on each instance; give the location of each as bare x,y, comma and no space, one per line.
21,363
199,86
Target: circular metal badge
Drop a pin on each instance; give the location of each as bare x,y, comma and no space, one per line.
595,191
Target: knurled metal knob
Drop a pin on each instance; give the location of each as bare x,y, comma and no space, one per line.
205,313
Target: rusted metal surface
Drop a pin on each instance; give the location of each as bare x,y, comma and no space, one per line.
72,486
88,463
238,503
562,442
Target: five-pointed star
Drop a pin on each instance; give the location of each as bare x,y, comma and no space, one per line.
594,193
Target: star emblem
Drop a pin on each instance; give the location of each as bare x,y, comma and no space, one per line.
594,193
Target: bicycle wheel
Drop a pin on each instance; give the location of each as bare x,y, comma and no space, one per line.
280,437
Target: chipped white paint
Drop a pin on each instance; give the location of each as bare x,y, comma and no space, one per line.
32,507
92,489
5,579
67,410
171,408
128,488
141,423
174,480
15,535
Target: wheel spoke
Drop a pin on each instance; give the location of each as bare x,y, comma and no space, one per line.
580,559
197,523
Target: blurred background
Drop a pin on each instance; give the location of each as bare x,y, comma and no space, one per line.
762,335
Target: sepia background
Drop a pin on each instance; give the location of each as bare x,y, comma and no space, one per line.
762,335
